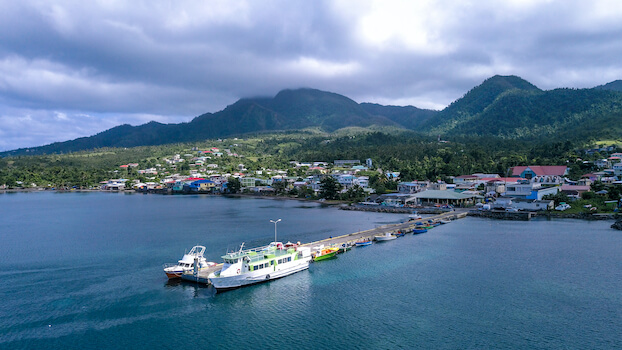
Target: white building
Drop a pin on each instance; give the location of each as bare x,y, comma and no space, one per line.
529,190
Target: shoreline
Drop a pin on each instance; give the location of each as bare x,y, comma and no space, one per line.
344,205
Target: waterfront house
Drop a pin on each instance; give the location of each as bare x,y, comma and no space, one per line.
465,186
574,191
250,181
114,185
218,179
362,181
497,186
546,175
503,203
438,186
529,190
511,203
411,187
466,179
393,199
345,180
201,186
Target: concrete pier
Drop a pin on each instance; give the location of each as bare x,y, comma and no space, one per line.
202,276
369,234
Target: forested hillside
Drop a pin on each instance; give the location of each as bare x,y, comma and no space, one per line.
502,107
415,156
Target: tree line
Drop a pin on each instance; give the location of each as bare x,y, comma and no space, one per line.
414,156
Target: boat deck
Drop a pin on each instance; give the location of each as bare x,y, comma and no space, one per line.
339,240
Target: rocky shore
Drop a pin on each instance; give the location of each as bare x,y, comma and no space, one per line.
617,225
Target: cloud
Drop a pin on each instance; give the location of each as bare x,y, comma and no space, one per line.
120,62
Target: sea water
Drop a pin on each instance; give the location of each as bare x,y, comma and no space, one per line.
84,271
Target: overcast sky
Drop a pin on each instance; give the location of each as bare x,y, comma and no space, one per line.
75,68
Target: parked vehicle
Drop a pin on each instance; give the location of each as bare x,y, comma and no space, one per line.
562,206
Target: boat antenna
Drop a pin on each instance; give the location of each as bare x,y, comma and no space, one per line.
241,247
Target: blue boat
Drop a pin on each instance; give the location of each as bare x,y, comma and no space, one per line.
363,243
419,230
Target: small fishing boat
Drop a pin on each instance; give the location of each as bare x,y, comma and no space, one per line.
414,216
418,230
433,223
400,233
195,255
445,221
363,242
388,236
322,253
344,248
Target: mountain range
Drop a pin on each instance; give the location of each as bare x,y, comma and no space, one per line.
501,106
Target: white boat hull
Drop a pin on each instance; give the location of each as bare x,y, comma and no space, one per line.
385,238
248,278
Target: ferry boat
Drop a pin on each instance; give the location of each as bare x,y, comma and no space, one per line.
195,255
261,264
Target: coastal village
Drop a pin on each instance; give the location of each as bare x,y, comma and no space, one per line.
529,188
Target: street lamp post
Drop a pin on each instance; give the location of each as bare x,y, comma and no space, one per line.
275,228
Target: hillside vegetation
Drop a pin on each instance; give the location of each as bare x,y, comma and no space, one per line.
415,156
501,108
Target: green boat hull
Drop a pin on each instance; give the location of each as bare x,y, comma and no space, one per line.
325,256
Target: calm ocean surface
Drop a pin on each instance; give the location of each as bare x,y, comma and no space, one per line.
84,271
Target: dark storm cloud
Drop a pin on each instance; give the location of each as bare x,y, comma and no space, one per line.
76,68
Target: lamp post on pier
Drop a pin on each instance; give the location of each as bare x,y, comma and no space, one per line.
275,222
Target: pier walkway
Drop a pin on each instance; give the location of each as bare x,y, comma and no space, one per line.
347,239
380,230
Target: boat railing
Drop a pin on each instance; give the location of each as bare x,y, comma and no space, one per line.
257,251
